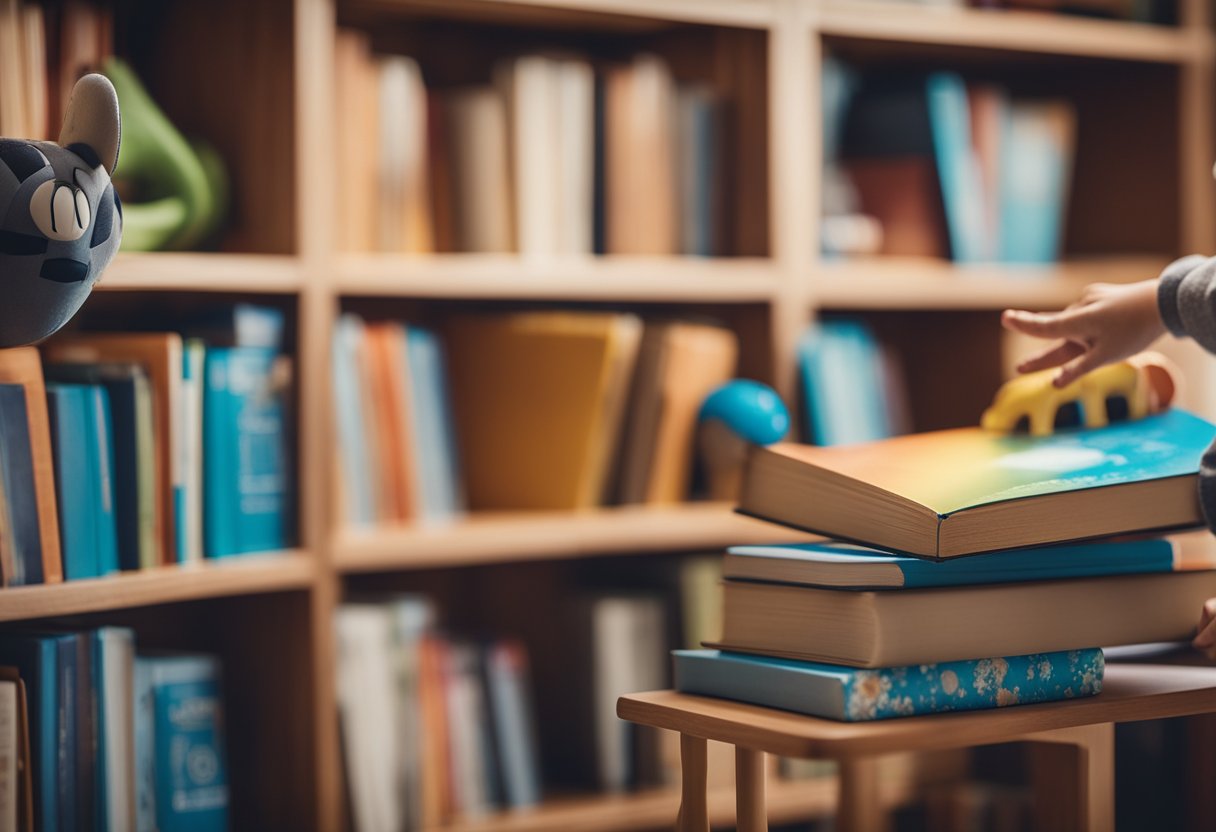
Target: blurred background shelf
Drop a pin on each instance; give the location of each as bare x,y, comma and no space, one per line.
1009,31
203,272
246,575
614,14
505,276
520,536
909,283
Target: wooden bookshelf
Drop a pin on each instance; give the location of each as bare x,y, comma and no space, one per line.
486,538
282,140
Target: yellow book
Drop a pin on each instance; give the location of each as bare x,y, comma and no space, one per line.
538,399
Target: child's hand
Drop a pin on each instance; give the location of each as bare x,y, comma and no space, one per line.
1206,639
1109,323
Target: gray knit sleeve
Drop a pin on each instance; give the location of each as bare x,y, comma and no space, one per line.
1186,298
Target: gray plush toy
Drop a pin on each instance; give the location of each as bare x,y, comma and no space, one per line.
60,218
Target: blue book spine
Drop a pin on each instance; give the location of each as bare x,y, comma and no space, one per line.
854,695
220,535
958,168
355,456
1035,172
259,459
144,715
102,775
433,437
102,429
191,771
71,437
67,738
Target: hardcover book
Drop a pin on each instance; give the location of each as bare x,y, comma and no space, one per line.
852,695
846,566
969,490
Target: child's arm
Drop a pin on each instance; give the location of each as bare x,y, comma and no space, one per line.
1112,322
1206,640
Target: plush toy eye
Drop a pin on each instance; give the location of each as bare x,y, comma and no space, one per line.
60,211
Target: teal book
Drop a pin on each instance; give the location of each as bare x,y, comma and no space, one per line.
958,168
143,737
101,456
854,695
847,566
245,476
1036,170
75,470
188,736
354,451
969,490
434,442
844,383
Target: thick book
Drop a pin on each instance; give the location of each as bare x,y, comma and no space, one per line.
916,626
846,566
970,490
852,695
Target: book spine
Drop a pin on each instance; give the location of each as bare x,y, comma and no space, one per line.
145,747
259,459
191,777
66,745
103,432
9,729
219,523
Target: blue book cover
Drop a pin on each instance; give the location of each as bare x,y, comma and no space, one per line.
37,660
958,168
847,566
101,448
433,438
245,470
844,384
855,695
69,730
360,503
191,769
1036,169
17,469
76,497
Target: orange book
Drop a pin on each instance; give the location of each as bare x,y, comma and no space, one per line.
437,795
389,375
23,366
160,355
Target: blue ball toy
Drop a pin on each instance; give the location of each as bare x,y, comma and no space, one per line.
753,411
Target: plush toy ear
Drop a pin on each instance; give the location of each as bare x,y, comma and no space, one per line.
92,122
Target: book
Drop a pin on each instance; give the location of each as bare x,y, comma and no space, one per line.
440,491
850,695
37,662
245,477
845,384
699,137
113,652
1036,151
845,566
510,706
404,191
21,503
143,740
23,366
949,623
190,505
188,735
159,354
9,750
18,769
967,490
359,501
480,167
387,382
958,168
539,400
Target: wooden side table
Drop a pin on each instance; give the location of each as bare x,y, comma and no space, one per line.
1081,730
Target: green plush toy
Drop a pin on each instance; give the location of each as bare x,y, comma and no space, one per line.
180,189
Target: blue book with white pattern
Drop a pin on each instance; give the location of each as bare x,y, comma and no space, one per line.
860,695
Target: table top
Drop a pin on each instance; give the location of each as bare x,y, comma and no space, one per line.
1130,692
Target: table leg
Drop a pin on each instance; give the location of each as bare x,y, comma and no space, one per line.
860,807
751,810
1073,772
694,814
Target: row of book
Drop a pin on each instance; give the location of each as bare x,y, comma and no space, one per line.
94,736
44,48
432,727
556,157
1142,11
972,591
946,167
123,451
551,410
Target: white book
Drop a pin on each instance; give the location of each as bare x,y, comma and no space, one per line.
190,532
531,83
481,169
404,209
116,704
10,731
575,162
366,688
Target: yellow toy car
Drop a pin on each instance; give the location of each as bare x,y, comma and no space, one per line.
1143,384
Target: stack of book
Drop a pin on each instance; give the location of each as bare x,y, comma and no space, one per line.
973,591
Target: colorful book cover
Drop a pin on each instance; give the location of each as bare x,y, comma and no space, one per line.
1084,560
17,468
951,470
855,695
191,770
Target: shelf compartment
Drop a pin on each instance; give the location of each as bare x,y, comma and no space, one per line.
230,577
489,538
606,15
903,283
1010,31
490,276
194,272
